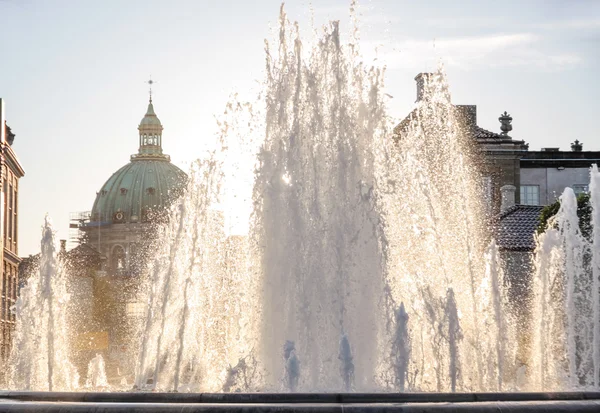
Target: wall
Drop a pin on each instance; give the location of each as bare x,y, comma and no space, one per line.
553,181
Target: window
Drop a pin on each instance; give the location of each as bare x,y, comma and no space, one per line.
580,189
10,212
5,210
135,309
530,194
15,231
118,259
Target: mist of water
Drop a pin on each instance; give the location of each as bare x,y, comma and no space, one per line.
198,297
316,226
39,358
348,220
566,315
96,374
354,226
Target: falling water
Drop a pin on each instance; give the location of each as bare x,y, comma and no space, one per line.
96,374
348,219
432,205
292,366
39,358
496,276
595,221
200,294
316,225
454,337
346,364
566,311
545,285
401,348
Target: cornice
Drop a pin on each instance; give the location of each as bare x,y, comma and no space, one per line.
10,158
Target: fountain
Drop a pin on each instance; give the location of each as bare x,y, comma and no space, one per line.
96,375
567,298
401,349
39,358
346,223
354,226
316,228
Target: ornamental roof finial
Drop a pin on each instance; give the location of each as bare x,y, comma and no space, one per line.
150,83
505,123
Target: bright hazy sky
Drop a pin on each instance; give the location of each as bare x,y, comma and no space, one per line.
72,75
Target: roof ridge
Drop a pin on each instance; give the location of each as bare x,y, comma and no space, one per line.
509,211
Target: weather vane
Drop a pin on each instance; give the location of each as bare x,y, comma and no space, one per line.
150,82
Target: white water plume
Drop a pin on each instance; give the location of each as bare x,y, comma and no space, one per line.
566,313
200,294
432,206
316,225
354,227
96,374
348,220
39,358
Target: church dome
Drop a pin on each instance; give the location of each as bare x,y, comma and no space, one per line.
148,183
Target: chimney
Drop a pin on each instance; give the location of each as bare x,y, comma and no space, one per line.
468,116
63,245
577,146
421,79
507,194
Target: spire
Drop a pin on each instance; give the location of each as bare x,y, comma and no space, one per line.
150,134
150,83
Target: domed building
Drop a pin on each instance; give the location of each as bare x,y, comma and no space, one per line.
131,197
108,262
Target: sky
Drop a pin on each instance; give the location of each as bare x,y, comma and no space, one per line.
72,76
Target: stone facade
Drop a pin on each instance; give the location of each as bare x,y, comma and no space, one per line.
11,172
549,171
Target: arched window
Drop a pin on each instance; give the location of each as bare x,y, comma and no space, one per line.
118,260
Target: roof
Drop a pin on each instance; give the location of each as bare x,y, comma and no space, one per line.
479,132
556,159
517,227
137,186
150,118
148,183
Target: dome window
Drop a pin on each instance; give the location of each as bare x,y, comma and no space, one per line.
103,192
151,191
119,216
123,191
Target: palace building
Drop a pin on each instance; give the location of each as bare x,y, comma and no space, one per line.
11,172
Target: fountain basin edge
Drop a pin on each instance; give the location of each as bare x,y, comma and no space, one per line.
295,398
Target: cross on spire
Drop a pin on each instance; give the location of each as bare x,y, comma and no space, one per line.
150,83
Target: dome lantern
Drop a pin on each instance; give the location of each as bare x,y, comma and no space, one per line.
150,134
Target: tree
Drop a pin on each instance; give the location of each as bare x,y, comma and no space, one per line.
584,212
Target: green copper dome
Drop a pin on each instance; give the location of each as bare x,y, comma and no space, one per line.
148,183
